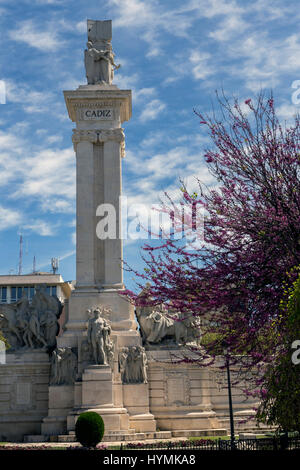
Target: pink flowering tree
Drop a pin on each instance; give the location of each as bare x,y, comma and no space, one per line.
234,277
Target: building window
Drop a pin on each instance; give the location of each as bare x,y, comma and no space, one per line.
19,292
31,293
3,293
16,292
13,294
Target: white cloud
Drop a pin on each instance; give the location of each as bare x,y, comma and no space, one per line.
44,38
273,9
152,139
73,238
41,227
287,111
32,101
152,110
212,8
48,173
230,27
125,81
135,13
49,2
263,59
163,171
81,26
201,63
54,139
143,93
9,218
56,205
152,19
177,162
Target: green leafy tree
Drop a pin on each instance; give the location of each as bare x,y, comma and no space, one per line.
280,397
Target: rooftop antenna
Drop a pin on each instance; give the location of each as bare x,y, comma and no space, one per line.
20,255
54,264
34,264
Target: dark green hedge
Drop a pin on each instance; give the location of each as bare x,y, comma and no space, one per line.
89,429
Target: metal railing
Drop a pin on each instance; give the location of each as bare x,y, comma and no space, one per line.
259,444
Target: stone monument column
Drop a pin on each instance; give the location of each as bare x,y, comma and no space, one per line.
98,109
99,150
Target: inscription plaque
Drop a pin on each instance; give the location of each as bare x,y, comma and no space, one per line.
96,114
23,393
176,390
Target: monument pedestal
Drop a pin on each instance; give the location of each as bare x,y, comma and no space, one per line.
97,394
121,318
136,401
61,400
179,393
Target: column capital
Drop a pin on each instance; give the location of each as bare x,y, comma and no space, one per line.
99,136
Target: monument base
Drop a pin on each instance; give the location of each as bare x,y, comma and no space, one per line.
121,314
179,392
136,401
98,394
24,383
61,400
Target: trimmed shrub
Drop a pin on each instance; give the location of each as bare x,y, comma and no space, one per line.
89,429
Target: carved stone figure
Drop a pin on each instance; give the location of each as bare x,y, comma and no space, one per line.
133,365
50,327
43,301
123,354
144,365
22,319
63,367
157,326
32,325
22,305
98,338
99,57
9,326
110,352
35,328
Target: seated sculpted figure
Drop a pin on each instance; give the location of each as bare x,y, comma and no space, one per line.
99,64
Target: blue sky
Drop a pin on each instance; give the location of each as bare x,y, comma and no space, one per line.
174,56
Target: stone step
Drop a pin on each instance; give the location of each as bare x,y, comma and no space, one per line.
125,437
132,435
118,436
162,435
36,438
121,436
115,433
246,426
63,438
110,433
200,433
